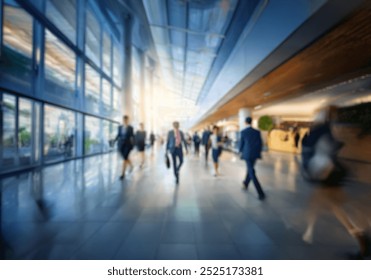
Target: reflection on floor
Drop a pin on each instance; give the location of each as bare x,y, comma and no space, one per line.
90,214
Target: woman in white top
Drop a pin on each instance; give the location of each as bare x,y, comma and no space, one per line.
216,146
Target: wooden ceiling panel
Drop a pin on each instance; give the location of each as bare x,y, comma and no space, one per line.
342,52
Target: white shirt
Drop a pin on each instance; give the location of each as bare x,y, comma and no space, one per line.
214,141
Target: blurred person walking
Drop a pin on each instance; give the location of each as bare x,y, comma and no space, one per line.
250,150
205,141
174,145
140,142
196,143
152,139
125,138
321,167
216,146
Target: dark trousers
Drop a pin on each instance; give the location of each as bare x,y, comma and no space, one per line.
207,148
252,176
197,148
177,153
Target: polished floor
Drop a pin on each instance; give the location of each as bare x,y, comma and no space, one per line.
81,210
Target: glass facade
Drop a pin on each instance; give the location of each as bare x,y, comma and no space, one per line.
59,133
60,65
63,15
25,131
117,77
76,107
92,89
106,95
107,53
136,84
92,136
37,128
92,37
17,48
106,135
9,137
116,103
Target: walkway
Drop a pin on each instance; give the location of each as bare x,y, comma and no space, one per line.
85,212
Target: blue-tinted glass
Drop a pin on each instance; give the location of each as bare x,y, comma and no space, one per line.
117,73
116,102
92,139
106,94
63,15
107,53
136,77
9,143
60,64
92,89
25,132
106,135
92,37
59,133
37,125
16,57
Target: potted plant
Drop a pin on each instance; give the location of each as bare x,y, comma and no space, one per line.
265,124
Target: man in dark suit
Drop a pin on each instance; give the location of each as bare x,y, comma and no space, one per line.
196,142
205,141
250,150
175,141
125,137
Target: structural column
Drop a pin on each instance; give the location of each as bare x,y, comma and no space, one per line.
126,100
243,113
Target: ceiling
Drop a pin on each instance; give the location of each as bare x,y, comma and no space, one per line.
193,37
340,55
207,52
347,93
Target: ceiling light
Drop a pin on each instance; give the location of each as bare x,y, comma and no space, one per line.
258,107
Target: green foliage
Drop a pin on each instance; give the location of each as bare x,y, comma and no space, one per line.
265,123
10,106
53,140
8,142
24,137
88,143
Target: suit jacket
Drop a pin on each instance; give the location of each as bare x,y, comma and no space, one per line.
170,145
140,138
250,144
205,137
126,138
196,139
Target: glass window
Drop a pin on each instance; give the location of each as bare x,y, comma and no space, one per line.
25,131
9,144
92,133
117,63
113,130
60,64
92,37
136,83
59,133
79,134
92,89
116,99
16,56
106,135
63,15
106,96
37,149
107,53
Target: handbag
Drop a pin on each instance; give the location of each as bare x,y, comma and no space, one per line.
167,161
